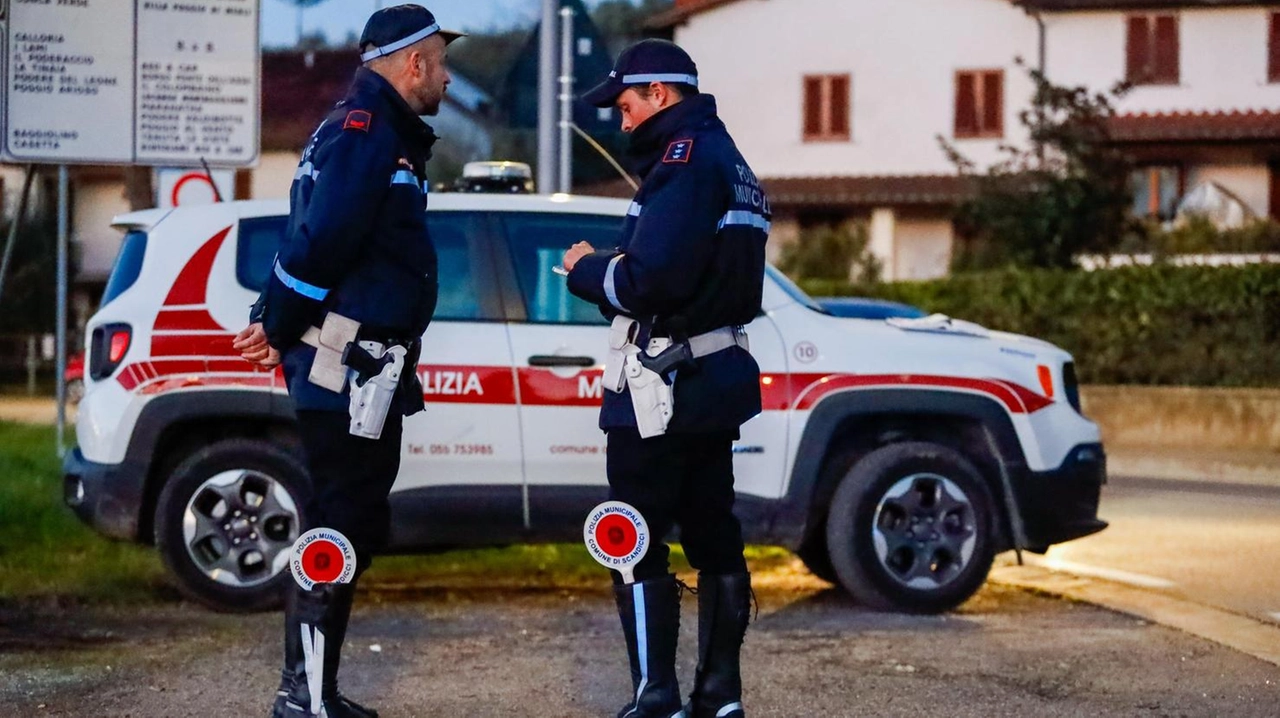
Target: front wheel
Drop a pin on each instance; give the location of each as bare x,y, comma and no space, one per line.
910,529
226,520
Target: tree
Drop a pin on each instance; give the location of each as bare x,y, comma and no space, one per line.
621,22
1065,195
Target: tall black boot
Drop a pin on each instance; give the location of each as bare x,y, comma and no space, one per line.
324,610
650,613
724,608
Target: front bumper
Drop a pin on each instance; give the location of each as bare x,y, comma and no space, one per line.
1062,504
107,497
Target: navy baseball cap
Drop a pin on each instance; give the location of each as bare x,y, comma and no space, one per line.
399,26
644,62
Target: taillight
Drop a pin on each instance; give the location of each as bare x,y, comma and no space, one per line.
107,346
1071,386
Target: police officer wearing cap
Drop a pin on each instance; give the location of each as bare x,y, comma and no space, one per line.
689,270
356,253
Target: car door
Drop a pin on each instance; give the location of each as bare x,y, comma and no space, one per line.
558,343
460,475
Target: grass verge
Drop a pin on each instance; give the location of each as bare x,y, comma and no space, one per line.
46,553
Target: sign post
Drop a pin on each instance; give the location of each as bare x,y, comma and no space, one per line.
126,82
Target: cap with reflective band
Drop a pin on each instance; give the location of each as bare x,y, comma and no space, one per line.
398,27
644,62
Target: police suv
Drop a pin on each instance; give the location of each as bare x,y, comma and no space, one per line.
896,457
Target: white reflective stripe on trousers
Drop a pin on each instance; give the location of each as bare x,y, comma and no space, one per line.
642,640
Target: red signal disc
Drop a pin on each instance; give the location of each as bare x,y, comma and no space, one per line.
616,536
322,561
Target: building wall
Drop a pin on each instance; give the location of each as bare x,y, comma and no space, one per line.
273,176
1251,183
902,57
923,248
94,204
1222,59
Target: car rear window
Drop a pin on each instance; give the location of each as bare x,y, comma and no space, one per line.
128,265
259,240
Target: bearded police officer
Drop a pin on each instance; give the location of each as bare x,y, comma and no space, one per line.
680,378
352,289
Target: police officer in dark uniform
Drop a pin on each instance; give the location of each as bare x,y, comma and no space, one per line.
356,250
690,270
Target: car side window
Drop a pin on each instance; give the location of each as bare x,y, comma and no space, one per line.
257,242
462,296
538,242
454,234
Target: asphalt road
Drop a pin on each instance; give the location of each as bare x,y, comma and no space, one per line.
553,653
1212,543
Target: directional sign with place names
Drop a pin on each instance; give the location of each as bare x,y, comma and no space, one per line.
157,82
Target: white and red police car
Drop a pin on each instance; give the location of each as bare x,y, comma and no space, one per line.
895,459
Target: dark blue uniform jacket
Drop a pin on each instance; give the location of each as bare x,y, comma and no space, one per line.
691,260
357,241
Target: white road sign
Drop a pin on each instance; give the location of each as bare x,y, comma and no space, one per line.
184,187
162,82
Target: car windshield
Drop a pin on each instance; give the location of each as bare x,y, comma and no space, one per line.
792,290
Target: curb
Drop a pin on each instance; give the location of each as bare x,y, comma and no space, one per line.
1255,638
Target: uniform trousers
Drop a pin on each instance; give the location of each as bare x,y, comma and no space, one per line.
351,478
679,480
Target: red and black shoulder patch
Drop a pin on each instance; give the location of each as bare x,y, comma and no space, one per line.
678,151
358,120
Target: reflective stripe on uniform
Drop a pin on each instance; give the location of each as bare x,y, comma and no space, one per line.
642,636
404,177
306,170
660,77
611,289
729,709
634,209
310,291
743,217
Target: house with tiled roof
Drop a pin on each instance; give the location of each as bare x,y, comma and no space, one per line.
839,104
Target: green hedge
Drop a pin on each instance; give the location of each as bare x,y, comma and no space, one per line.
1194,326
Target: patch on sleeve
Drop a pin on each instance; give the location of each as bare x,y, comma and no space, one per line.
678,151
358,120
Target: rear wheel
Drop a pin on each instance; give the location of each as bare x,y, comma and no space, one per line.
225,522
911,527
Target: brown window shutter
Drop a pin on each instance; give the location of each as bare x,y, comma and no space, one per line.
1273,172
966,105
1273,49
812,106
1166,51
993,103
1137,50
839,126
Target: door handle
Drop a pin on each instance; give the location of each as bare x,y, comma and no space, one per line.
552,360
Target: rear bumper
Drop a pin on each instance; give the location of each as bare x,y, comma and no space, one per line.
107,497
1062,504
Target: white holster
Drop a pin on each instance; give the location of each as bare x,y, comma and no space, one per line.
371,401
330,339
622,334
652,398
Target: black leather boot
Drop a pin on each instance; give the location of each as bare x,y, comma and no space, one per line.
650,613
724,608
325,610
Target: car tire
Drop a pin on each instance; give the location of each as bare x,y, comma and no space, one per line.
911,528
815,557
226,519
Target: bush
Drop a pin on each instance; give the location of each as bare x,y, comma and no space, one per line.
831,253
1199,236
1195,326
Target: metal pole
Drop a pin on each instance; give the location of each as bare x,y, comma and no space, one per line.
60,351
547,96
566,99
13,226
